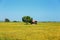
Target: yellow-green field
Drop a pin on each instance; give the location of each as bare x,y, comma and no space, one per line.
19,31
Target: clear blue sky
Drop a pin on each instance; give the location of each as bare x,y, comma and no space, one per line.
41,10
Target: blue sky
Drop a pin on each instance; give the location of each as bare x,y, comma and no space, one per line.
41,10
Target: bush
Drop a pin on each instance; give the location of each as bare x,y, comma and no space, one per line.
14,21
7,20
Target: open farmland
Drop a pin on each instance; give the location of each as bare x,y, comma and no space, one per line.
19,31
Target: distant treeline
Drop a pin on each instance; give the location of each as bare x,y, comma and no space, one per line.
48,21
27,20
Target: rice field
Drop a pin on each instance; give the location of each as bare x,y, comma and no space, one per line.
20,31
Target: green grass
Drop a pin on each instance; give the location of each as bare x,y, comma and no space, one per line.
20,31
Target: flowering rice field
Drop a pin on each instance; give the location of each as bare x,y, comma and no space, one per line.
20,31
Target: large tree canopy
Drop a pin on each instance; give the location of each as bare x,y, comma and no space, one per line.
27,19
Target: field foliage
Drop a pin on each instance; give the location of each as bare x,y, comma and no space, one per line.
20,31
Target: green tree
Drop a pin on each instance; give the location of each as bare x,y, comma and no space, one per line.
7,20
27,19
